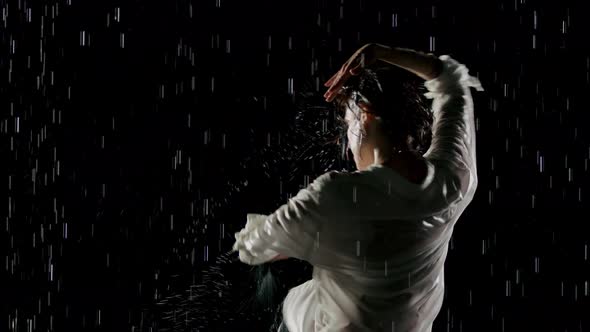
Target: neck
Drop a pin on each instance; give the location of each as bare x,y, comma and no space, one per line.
392,156
407,163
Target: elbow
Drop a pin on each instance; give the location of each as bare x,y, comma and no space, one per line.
468,184
463,182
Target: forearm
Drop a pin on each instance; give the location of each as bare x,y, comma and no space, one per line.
291,231
426,66
453,129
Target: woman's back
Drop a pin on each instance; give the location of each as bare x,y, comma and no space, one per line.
373,271
411,166
379,256
377,239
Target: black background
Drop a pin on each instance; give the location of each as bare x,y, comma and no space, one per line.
151,167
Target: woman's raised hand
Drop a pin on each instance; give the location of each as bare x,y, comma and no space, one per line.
363,57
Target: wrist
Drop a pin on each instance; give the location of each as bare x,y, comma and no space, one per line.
425,65
382,52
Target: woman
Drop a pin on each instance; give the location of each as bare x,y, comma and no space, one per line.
377,237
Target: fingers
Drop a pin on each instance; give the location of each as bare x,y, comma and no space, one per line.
329,95
337,80
335,88
335,77
331,80
337,84
342,70
332,92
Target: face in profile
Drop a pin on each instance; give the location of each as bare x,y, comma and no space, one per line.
360,131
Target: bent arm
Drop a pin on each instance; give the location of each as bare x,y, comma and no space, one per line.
453,129
425,65
291,231
452,150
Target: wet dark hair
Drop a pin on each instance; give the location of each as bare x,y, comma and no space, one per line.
397,97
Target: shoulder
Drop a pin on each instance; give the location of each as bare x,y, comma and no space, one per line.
334,178
330,177
337,183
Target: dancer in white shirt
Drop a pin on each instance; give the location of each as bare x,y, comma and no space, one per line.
377,237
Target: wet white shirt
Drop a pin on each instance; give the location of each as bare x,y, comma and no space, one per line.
377,242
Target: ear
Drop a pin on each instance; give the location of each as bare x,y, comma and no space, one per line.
364,106
367,114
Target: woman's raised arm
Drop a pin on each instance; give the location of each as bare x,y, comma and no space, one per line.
426,66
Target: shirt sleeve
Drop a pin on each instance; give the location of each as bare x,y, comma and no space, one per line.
452,149
293,229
